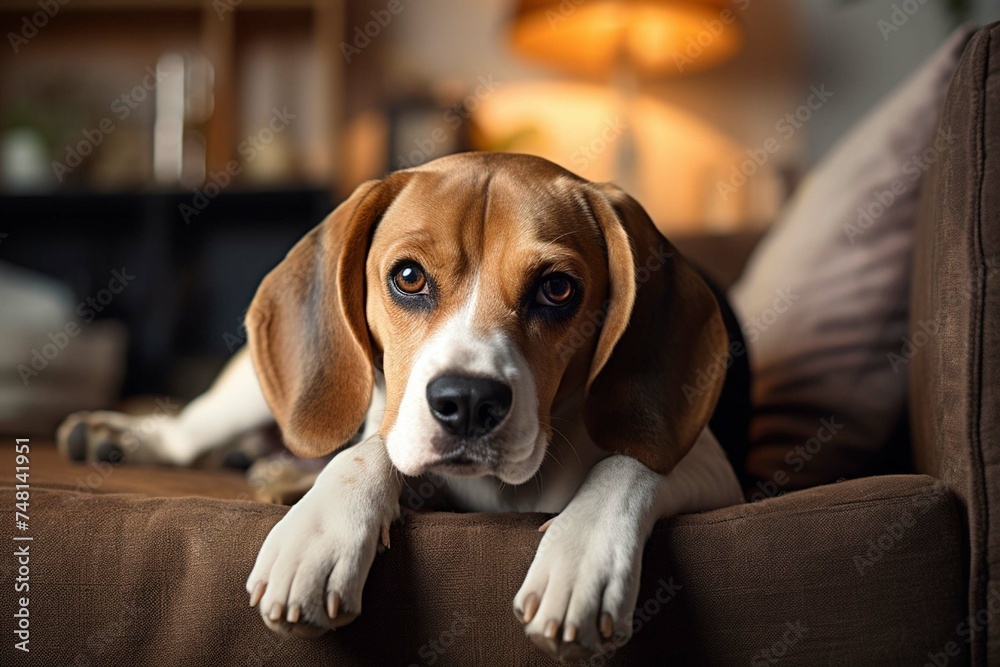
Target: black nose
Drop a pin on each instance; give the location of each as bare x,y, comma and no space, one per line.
468,406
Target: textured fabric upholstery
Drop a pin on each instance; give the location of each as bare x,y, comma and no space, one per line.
955,369
863,572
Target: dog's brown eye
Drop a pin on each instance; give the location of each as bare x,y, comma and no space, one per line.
410,279
556,290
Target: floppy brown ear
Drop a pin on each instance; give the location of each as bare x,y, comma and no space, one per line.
655,376
307,331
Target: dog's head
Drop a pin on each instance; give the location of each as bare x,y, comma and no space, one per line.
486,287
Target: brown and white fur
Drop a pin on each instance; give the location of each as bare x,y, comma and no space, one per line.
596,429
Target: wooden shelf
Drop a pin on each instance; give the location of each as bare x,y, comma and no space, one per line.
31,6
132,33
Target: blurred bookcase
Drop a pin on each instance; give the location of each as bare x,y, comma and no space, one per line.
244,60
244,63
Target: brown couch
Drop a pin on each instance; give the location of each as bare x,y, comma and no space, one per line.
134,566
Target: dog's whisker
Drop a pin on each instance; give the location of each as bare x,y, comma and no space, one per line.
550,453
568,442
402,478
563,436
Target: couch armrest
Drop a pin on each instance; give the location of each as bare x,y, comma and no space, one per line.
955,322
861,572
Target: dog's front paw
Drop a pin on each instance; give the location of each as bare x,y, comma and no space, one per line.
112,437
578,596
313,565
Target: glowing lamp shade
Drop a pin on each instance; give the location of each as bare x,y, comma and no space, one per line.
655,37
678,159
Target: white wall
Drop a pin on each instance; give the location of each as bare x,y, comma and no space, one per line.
847,49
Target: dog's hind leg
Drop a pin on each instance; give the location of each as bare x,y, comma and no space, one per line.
232,406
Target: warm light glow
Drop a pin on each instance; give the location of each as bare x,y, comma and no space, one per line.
654,37
678,156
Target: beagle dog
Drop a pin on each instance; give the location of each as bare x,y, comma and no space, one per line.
522,337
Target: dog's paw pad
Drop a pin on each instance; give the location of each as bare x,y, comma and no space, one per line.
110,437
71,438
108,451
